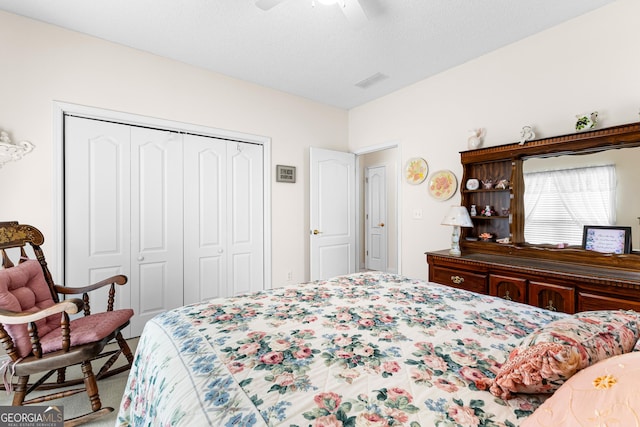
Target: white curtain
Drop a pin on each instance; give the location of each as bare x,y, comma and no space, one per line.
559,203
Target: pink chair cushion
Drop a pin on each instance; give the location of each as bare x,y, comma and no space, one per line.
23,289
87,329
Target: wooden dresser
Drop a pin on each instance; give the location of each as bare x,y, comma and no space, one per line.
568,279
561,286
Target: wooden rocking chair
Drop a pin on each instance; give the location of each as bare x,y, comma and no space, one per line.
38,335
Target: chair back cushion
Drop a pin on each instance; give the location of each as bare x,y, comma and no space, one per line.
24,289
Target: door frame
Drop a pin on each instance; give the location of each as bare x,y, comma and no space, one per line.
359,195
62,108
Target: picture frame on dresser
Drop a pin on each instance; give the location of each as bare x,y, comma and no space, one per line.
607,239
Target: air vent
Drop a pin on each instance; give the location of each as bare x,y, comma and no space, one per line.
371,80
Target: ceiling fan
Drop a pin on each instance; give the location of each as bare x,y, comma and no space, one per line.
352,9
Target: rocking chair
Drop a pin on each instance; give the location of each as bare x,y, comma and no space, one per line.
38,335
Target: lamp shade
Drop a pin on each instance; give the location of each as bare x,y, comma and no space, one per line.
459,216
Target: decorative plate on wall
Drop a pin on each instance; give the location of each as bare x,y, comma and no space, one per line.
416,170
443,185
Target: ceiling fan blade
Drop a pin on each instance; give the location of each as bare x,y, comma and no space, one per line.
268,4
355,13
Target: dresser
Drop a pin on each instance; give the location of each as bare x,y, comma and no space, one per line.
553,276
554,285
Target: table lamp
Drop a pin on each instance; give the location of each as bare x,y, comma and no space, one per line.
457,217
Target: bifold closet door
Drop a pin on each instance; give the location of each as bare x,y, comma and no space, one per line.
223,232
156,223
97,211
181,215
123,214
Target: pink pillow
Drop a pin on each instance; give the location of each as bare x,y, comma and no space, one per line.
552,354
24,289
606,393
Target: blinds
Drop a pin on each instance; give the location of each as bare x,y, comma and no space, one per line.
559,203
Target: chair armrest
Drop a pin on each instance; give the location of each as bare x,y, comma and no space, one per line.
71,306
118,280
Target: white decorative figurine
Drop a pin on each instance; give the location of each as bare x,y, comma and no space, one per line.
475,140
526,134
10,151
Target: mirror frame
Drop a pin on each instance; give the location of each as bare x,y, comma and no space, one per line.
622,136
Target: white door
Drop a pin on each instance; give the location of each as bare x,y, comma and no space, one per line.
376,218
121,215
97,242
245,241
205,209
333,213
180,215
223,227
156,223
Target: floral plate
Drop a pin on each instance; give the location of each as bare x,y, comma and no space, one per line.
416,170
443,185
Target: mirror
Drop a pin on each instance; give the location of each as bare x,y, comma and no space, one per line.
627,166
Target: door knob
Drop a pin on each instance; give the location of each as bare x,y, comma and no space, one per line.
140,258
220,250
317,232
381,224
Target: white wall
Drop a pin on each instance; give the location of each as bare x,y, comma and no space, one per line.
589,63
42,63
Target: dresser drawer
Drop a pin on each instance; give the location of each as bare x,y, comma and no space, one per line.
589,302
507,287
460,279
552,296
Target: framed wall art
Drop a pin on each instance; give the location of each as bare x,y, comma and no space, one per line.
285,173
607,239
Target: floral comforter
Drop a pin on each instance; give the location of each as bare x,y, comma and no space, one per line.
360,350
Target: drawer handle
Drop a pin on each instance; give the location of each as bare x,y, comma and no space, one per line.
457,279
507,296
550,306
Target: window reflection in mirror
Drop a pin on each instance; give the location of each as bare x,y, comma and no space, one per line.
627,203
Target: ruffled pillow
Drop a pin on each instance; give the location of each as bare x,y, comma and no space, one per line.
552,354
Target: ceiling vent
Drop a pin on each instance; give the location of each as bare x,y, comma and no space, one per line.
371,80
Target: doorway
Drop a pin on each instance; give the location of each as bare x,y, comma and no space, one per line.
378,209
337,235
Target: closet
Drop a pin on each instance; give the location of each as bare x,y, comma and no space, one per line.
180,214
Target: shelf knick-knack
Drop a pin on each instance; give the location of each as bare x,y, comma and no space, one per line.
586,121
475,140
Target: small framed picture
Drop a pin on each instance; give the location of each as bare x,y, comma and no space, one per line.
607,239
285,173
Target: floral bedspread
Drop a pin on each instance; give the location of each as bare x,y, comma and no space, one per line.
360,350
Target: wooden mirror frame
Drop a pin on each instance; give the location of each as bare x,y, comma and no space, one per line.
623,136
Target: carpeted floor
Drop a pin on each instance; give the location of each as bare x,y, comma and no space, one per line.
110,389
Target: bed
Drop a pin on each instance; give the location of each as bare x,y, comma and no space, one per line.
369,349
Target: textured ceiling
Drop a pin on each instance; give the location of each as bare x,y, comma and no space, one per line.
308,49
